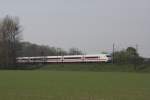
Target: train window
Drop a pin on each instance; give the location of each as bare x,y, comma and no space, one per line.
53,58
108,55
91,57
72,57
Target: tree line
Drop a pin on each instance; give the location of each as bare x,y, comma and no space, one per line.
31,49
128,56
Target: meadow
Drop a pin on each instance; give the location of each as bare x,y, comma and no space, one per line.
73,85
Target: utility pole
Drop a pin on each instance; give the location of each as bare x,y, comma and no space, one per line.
136,58
136,47
113,53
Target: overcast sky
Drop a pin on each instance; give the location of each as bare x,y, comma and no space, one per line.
90,25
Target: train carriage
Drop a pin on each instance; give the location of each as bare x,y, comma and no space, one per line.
66,59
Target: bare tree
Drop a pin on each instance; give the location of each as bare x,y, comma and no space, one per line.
75,51
10,36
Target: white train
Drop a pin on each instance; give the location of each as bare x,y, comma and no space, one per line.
66,59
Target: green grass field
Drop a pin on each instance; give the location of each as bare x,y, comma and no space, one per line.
73,85
101,67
